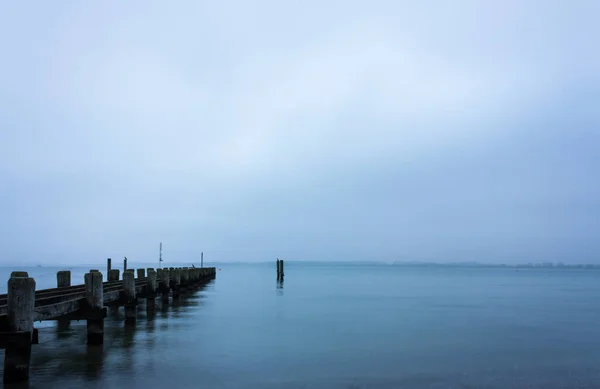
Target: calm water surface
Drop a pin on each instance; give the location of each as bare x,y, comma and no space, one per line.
342,327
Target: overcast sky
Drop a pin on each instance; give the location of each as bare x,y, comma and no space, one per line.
305,130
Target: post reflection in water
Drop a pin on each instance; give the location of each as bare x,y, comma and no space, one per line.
128,347
280,287
94,361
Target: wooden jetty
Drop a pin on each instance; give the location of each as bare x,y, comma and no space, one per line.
23,305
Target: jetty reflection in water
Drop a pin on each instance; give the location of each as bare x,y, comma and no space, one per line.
63,351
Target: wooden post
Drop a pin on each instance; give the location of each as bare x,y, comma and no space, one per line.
124,264
185,277
159,276
94,297
151,290
166,285
130,299
20,314
141,273
278,269
282,272
63,279
108,265
176,282
113,275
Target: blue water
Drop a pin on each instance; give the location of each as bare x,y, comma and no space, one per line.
343,327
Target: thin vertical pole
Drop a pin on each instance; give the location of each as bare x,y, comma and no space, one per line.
160,255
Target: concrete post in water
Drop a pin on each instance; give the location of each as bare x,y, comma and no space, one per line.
63,279
113,275
141,273
108,265
20,314
94,296
130,299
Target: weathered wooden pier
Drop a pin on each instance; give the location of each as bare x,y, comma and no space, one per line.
23,305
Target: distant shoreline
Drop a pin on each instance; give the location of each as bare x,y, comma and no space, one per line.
407,264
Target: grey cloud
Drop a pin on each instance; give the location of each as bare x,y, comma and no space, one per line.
337,130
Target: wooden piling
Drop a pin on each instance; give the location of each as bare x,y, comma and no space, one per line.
185,276
94,296
114,275
281,271
130,298
166,285
124,264
20,313
151,290
108,265
176,282
278,269
63,279
141,273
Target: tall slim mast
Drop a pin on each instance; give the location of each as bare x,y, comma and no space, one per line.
160,255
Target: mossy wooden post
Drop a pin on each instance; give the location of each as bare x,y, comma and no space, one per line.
151,290
63,279
94,297
114,275
141,273
108,265
20,315
130,298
